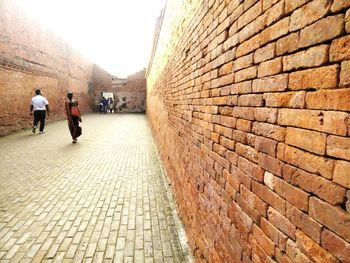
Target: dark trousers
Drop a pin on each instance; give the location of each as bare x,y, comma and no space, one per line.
39,116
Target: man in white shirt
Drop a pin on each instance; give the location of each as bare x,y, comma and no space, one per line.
39,105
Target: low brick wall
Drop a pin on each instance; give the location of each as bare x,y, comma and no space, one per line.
31,58
249,103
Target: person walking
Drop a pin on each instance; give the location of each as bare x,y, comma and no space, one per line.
73,117
110,105
39,107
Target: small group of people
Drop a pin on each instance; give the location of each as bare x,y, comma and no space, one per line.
106,105
40,108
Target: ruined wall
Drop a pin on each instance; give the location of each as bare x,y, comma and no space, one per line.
30,58
132,93
249,103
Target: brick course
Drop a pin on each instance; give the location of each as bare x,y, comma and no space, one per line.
255,93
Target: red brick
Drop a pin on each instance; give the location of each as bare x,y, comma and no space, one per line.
241,176
294,253
231,157
249,45
319,78
312,250
323,188
231,42
248,209
231,179
269,130
227,132
275,31
265,115
287,44
285,99
274,234
291,5
247,152
340,4
239,136
309,13
313,57
281,222
251,29
307,161
248,3
243,62
282,257
244,125
253,100
266,145
240,219
307,140
332,217
324,121
271,67
270,164
342,173
250,15
336,245
274,14
293,195
227,121
338,147
321,31
269,84
329,100
258,253
243,113
254,201
340,49
269,197
251,169
308,225
245,74
264,241
242,87
226,69
265,53
345,74
268,3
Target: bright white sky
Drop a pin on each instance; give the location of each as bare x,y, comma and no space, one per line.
115,34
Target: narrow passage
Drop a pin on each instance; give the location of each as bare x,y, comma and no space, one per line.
101,200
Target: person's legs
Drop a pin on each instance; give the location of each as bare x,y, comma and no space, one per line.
36,120
42,120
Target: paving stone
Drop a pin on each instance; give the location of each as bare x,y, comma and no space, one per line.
103,199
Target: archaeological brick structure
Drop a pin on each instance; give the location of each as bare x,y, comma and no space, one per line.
32,57
249,103
130,92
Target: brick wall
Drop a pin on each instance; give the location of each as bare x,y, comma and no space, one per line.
249,103
30,58
131,93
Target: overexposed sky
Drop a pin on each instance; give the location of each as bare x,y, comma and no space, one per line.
115,34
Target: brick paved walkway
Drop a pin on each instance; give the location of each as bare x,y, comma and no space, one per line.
101,200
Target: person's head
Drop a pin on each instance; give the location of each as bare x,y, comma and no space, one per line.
37,92
70,95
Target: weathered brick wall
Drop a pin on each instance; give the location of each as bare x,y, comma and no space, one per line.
132,93
249,103
30,58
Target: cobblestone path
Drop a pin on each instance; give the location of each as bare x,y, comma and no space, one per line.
101,200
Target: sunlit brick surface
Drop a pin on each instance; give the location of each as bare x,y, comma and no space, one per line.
101,200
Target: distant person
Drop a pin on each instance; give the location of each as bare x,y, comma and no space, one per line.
73,117
39,106
110,105
105,104
100,106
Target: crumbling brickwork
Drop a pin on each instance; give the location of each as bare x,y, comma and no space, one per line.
131,93
249,103
30,58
